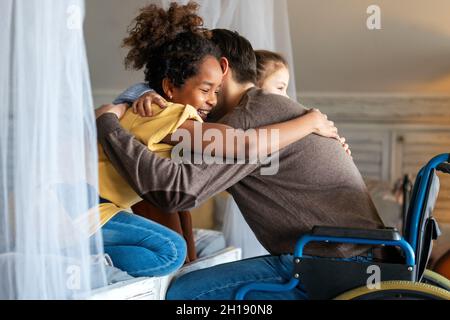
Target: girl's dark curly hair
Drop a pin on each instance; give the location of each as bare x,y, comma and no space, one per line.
168,44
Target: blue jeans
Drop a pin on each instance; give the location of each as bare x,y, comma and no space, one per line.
142,247
222,282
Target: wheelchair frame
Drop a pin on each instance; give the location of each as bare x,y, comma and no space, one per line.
407,273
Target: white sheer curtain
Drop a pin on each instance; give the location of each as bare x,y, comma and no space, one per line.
48,155
266,24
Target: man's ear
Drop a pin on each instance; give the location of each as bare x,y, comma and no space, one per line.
225,65
167,87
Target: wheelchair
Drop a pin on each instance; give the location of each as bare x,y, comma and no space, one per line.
403,279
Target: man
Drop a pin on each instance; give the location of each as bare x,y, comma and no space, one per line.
317,183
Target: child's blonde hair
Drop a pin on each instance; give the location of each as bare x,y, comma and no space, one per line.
268,63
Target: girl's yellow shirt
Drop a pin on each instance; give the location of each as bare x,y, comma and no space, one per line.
150,131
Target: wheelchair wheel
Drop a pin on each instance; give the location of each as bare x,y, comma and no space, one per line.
397,290
435,279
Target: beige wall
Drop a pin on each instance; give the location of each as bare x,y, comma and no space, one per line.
333,49
105,27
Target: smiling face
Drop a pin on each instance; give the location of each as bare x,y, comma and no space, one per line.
201,90
278,82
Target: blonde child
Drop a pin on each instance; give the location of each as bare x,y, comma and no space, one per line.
273,72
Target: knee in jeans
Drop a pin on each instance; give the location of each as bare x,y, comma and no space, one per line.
181,247
178,253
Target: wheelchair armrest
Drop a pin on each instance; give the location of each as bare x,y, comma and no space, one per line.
388,234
